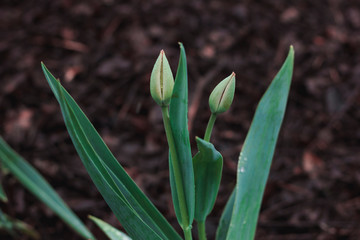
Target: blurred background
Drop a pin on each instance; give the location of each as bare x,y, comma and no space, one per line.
103,52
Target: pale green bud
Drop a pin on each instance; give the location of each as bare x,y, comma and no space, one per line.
161,81
223,94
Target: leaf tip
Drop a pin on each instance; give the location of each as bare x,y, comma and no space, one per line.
200,141
291,51
43,66
181,46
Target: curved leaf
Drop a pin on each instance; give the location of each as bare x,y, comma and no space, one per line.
110,231
208,164
16,227
225,219
136,213
37,185
3,196
257,153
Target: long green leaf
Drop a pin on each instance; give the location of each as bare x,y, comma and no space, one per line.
3,196
208,164
225,219
103,177
110,231
37,185
257,153
105,181
16,227
179,125
136,213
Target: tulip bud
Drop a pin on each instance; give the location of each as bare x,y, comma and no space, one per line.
223,94
161,81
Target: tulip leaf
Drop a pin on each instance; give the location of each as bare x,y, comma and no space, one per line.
257,153
208,164
110,231
15,227
37,185
225,219
3,196
136,213
178,121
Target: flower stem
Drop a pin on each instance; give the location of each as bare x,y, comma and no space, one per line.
187,233
210,127
201,230
177,174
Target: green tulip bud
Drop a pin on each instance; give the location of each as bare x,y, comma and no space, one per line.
223,94
161,81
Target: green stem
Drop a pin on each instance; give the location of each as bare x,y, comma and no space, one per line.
187,233
177,173
210,127
201,230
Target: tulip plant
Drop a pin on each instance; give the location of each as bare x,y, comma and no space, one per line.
194,180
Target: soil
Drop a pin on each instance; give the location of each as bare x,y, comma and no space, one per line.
103,51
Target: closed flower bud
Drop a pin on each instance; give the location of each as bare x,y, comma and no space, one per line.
223,94
161,81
